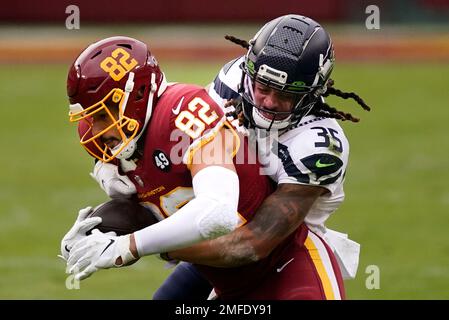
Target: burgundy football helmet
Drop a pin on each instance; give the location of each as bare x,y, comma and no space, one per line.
116,71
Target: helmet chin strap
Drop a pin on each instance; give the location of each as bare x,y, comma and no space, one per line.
269,124
132,145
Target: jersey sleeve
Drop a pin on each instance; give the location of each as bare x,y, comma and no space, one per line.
225,85
317,156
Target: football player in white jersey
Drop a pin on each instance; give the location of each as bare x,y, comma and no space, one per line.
278,87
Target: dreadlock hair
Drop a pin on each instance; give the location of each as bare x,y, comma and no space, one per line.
322,109
240,42
233,108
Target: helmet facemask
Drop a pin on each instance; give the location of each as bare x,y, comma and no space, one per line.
303,99
117,76
113,106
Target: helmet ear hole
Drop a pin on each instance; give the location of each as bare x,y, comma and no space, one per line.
140,93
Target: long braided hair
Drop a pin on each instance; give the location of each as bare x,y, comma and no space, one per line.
321,109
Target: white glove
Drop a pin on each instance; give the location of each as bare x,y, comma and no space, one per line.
98,251
114,184
78,231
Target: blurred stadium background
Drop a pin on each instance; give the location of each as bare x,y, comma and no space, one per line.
397,195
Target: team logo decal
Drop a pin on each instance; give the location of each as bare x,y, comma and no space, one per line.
161,161
118,64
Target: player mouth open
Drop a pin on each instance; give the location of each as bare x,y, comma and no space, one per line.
111,142
271,114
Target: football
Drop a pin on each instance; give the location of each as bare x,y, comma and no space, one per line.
123,216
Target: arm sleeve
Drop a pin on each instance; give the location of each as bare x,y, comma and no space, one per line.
212,213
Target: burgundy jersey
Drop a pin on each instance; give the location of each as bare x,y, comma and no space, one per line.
184,119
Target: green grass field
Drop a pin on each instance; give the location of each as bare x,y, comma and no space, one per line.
396,206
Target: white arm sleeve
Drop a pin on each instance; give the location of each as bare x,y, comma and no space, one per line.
212,213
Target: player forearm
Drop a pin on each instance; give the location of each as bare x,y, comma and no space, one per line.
227,251
212,213
249,243
276,218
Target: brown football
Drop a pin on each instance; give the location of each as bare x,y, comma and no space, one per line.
123,216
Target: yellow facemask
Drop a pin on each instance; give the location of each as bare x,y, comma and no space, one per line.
92,143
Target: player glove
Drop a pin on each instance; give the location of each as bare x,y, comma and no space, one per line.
115,185
99,251
78,231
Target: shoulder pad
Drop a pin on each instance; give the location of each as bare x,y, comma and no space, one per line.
227,81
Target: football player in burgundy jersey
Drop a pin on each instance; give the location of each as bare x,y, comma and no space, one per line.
172,141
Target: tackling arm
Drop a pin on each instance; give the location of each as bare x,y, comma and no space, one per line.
278,216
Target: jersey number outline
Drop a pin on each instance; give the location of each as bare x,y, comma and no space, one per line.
325,132
118,69
171,202
195,126
175,199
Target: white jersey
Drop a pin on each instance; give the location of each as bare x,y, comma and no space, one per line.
315,152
